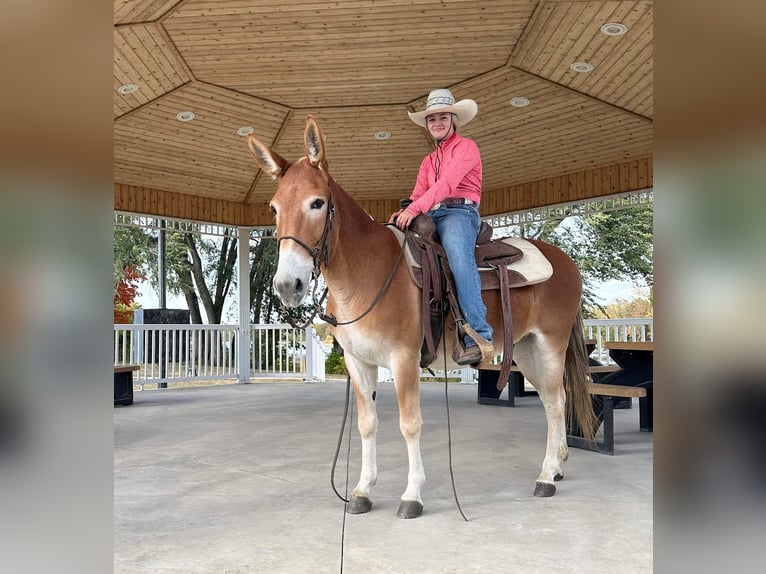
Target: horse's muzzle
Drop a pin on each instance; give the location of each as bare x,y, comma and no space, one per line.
291,290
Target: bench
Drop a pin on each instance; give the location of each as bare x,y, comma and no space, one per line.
489,395
123,384
608,393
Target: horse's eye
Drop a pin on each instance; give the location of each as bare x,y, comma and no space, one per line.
273,209
317,204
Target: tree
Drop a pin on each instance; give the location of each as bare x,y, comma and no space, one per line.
130,269
132,250
125,295
639,307
608,245
193,273
199,268
263,265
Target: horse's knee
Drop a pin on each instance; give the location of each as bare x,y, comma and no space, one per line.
410,428
367,423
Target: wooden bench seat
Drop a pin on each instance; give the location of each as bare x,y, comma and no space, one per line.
608,393
516,384
123,384
604,368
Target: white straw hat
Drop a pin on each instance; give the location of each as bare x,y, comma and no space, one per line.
442,100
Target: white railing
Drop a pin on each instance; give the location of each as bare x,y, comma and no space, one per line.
604,330
176,353
283,351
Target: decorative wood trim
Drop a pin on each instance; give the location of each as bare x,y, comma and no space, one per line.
628,176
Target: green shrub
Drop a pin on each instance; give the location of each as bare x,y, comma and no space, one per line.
335,364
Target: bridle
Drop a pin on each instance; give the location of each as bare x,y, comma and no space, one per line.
320,255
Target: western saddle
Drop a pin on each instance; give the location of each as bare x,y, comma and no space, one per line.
432,273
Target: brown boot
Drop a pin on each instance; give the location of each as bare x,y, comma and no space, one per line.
468,356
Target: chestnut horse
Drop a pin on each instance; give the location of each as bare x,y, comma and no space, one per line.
320,228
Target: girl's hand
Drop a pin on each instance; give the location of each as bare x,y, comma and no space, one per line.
404,219
393,217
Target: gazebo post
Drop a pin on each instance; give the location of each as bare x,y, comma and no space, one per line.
243,287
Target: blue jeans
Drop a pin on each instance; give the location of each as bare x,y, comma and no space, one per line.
458,227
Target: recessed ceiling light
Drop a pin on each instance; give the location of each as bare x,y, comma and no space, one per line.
582,67
127,89
245,130
614,29
382,135
519,102
185,116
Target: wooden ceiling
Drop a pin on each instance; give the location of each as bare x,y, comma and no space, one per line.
358,66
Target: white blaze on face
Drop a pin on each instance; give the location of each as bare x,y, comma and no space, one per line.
307,212
293,276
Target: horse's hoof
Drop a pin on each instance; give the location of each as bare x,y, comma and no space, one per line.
558,476
544,489
359,505
409,509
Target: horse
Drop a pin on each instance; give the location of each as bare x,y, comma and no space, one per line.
321,229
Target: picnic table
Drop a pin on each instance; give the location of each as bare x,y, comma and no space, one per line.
635,360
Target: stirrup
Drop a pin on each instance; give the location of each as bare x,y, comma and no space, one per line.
487,349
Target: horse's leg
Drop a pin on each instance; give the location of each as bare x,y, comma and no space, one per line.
365,387
407,382
543,365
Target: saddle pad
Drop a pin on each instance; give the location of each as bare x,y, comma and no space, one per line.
411,263
532,268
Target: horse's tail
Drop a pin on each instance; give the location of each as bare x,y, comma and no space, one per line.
576,372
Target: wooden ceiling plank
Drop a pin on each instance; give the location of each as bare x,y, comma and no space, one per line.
622,61
132,45
621,64
278,6
324,11
166,164
130,63
613,73
173,68
552,34
344,18
640,84
130,60
570,45
130,11
533,25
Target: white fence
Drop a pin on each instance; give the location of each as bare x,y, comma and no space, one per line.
175,353
600,330
603,330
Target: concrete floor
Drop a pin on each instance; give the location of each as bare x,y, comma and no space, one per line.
235,479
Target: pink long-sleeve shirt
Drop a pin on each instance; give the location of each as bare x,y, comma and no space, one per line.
459,175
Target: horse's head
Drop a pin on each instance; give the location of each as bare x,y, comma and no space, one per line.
303,209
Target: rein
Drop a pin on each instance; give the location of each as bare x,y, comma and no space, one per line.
334,322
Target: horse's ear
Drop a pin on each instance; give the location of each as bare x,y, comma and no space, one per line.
269,161
314,143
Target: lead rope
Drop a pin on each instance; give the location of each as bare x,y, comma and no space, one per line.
449,429
348,458
344,498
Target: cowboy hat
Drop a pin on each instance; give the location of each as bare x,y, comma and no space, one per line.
442,100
